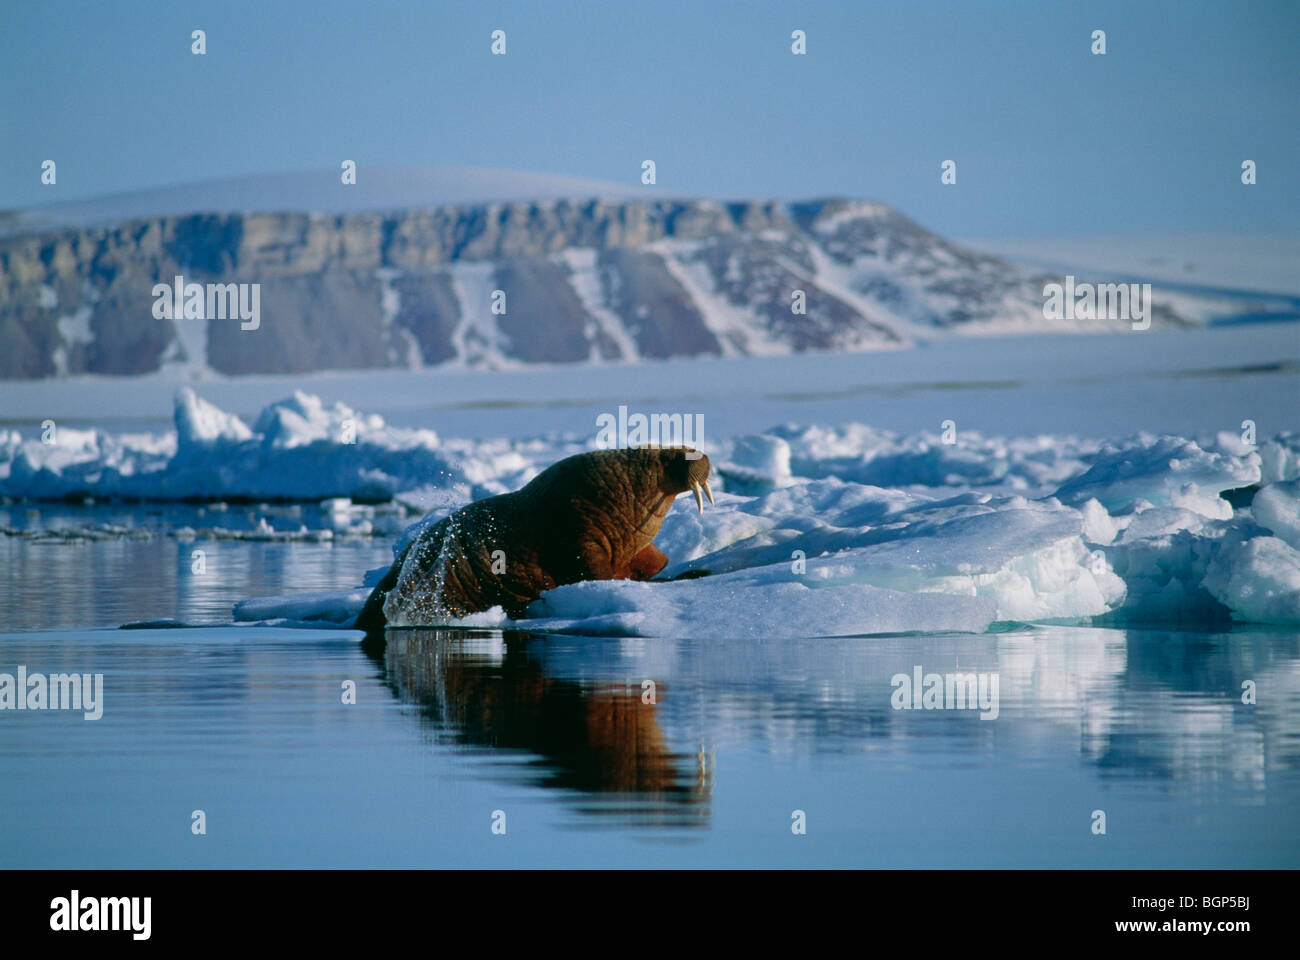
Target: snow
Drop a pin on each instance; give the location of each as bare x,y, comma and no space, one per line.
1028,558
199,423
477,338
841,281
299,449
390,298
187,355
761,461
1164,471
851,211
799,543
332,607
1258,579
736,327
750,604
1277,507
1094,385
1250,261
74,329
584,278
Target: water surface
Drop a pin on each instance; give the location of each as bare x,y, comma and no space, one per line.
450,727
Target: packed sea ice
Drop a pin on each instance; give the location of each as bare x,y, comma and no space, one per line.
818,530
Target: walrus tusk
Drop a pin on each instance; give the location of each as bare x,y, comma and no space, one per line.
708,493
699,496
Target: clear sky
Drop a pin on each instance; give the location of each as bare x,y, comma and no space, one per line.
1048,138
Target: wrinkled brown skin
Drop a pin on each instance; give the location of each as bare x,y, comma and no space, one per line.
589,517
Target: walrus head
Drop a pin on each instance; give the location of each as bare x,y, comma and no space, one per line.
642,481
619,499
682,469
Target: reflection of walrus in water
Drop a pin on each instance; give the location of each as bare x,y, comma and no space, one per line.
591,736
589,517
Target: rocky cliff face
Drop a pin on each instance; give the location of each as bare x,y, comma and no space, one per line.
503,284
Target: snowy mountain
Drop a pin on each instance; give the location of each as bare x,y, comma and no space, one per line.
501,284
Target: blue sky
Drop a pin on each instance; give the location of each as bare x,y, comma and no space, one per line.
1048,138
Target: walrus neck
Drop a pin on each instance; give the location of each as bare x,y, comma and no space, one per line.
655,515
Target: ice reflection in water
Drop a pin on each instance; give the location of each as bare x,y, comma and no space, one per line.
449,726
1144,705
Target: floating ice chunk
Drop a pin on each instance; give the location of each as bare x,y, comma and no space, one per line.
199,422
1030,560
1098,525
333,606
307,452
1163,575
844,557
491,618
866,455
775,518
1166,471
687,535
1028,557
765,603
303,419
756,463
1229,442
1257,579
1161,522
1277,507
1280,458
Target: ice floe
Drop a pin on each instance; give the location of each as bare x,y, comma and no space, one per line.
818,531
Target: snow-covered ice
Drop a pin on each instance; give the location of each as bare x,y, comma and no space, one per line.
817,530
1277,507
831,526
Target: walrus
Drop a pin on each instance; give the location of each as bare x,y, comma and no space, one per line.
592,516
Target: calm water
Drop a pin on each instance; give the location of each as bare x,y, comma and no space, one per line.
448,728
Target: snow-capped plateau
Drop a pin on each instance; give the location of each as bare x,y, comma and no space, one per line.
519,283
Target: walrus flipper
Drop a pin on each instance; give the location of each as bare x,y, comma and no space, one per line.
644,565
